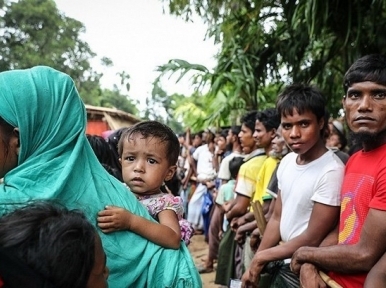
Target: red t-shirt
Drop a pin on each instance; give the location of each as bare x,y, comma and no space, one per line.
364,187
1,283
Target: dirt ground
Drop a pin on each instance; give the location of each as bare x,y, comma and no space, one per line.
199,249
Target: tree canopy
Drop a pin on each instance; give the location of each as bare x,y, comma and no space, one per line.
35,32
273,43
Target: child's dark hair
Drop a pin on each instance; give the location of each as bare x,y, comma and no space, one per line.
234,166
367,68
153,129
105,155
113,140
249,120
269,118
302,98
56,243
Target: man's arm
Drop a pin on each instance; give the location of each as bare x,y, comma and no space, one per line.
377,275
271,238
271,235
356,258
243,229
215,160
331,238
193,165
239,207
270,209
187,139
249,217
322,221
309,274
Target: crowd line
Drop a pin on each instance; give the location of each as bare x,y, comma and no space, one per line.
288,198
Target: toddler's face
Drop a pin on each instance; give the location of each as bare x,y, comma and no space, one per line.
144,165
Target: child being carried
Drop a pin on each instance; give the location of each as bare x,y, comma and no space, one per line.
149,151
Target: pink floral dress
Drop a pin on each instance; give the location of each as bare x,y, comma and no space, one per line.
162,201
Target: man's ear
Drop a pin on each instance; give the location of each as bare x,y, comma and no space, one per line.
170,173
273,133
321,123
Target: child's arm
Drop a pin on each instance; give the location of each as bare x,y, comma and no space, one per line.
167,233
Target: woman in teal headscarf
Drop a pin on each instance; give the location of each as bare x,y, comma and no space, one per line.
51,159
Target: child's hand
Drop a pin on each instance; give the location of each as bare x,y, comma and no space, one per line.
113,219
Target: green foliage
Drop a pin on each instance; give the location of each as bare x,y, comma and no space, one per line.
161,107
279,42
125,79
107,62
89,89
114,99
230,95
191,112
35,32
176,109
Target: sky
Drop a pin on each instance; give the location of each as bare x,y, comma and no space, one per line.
138,36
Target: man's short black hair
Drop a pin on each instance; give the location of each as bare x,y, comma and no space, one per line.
235,130
269,118
302,98
367,68
234,166
249,120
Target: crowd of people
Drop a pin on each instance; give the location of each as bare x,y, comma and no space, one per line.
293,163
286,199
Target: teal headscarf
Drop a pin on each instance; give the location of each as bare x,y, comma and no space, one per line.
56,162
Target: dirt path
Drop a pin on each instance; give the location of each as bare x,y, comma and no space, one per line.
199,249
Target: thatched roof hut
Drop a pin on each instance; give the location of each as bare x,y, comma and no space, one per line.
102,119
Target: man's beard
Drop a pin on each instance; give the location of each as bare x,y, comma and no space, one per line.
276,155
367,138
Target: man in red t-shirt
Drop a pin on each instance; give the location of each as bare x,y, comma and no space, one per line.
362,228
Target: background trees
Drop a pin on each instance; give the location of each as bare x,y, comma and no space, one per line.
266,44
34,32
